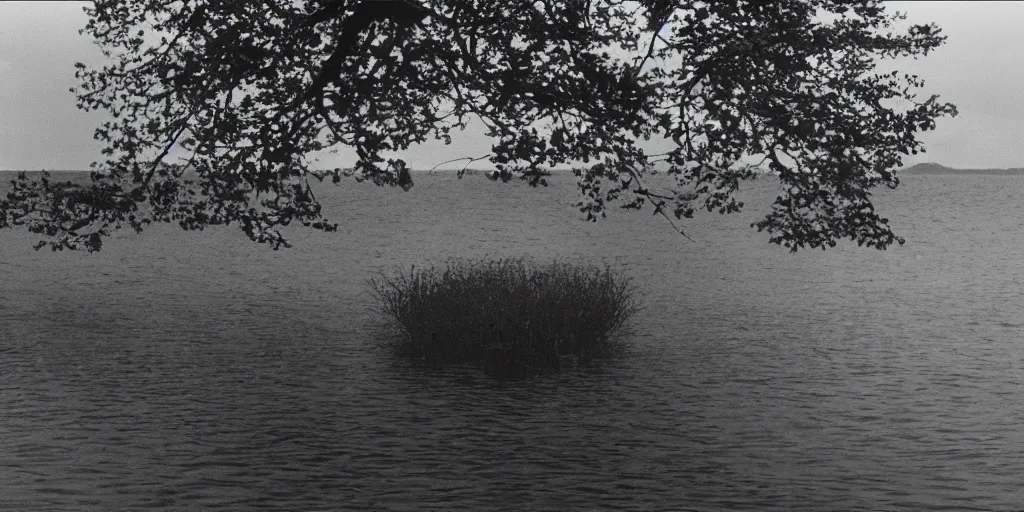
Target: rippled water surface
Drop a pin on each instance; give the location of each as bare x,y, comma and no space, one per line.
180,371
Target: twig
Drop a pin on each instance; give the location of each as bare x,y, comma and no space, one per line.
471,160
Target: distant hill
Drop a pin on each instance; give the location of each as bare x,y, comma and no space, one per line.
933,168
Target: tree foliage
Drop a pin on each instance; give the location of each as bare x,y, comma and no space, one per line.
249,90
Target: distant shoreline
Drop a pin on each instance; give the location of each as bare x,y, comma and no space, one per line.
919,169
932,168
974,172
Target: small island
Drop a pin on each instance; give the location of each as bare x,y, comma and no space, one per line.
933,168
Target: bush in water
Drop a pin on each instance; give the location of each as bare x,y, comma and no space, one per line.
511,316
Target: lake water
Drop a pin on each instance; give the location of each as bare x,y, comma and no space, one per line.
200,371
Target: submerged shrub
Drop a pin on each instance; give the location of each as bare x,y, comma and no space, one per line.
511,316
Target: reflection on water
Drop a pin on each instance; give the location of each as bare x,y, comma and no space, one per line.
200,371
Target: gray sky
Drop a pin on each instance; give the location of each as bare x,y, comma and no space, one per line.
980,68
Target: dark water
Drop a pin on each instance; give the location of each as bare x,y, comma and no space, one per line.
203,372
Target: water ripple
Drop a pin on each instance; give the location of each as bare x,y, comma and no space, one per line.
227,377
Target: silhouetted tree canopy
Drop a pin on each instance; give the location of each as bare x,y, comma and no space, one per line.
248,90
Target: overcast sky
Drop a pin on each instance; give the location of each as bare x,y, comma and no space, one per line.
980,69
